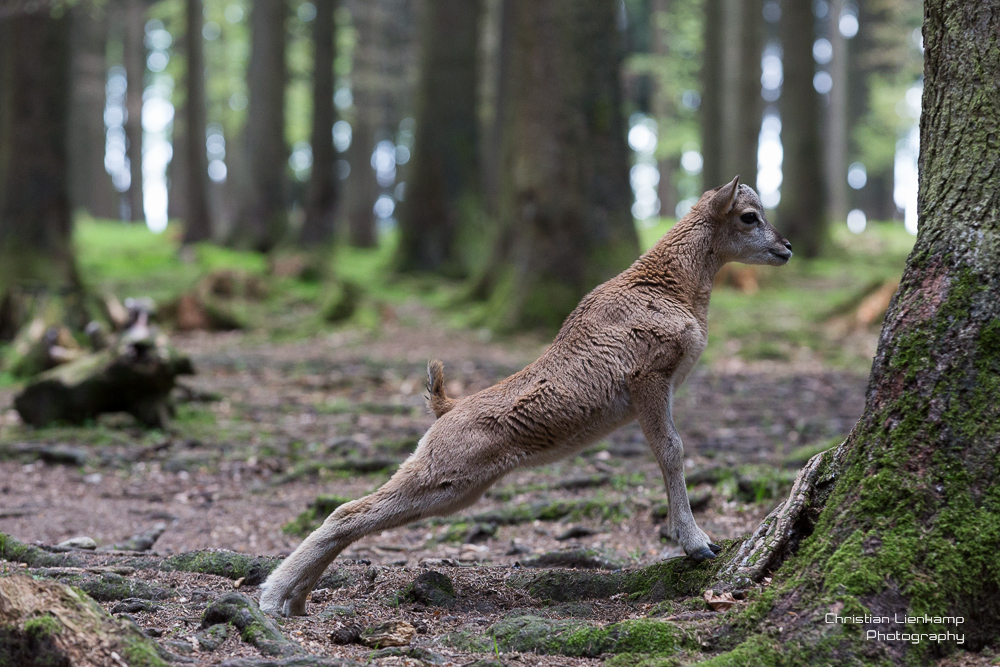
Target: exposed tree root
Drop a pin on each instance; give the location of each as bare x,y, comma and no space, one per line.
780,532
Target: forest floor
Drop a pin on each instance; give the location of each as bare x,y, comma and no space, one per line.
334,414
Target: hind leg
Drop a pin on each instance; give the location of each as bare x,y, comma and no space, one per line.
413,493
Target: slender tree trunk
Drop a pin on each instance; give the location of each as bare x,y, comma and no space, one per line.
322,193
802,210
661,104
134,56
362,189
443,188
747,98
903,518
496,44
712,100
565,204
35,222
198,225
264,219
90,185
836,119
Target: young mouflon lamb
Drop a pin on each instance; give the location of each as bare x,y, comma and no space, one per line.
619,356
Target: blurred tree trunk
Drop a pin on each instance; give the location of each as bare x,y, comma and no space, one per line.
565,216
89,183
712,98
666,189
494,60
36,253
362,189
836,119
322,193
802,210
197,223
747,98
263,220
134,57
443,188
902,519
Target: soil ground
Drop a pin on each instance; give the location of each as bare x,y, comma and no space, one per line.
230,473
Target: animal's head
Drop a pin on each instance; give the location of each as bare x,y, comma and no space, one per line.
741,231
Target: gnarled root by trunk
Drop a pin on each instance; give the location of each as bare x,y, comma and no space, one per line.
780,532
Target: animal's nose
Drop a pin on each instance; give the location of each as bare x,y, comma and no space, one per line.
788,245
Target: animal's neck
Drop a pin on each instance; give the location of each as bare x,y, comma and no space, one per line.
684,263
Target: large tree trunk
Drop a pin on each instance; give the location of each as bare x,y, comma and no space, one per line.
89,183
323,191
565,216
197,223
35,224
802,210
443,188
264,218
903,519
134,57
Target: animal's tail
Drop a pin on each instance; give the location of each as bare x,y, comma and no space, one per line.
437,400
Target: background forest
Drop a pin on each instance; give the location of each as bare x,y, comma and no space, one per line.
232,233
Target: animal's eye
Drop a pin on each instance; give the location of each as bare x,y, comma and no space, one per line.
749,217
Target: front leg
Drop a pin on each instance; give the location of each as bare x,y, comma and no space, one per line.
652,397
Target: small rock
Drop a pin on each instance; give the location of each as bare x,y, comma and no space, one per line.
371,574
393,633
82,542
153,632
517,549
212,638
431,588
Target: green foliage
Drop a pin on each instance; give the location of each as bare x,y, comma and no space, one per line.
39,627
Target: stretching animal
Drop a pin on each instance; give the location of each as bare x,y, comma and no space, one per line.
619,356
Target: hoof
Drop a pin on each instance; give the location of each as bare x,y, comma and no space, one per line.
708,553
714,547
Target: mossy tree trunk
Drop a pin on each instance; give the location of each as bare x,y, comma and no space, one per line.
443,188
802,211
36,256
911,520
565,216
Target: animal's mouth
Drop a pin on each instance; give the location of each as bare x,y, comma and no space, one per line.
783,255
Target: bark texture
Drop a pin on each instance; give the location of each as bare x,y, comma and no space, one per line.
443,187
264,218
912,516
134,56
197,224
802,211
711,109
565,216
35,223
90,185
323,191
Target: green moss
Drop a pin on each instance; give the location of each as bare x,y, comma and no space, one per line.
252,569
142,653
42,626
109,586
579,639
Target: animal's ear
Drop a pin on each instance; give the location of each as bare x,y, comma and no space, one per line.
724,198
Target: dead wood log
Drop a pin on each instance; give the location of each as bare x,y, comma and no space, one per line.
135,376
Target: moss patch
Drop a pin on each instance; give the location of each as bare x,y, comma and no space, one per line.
315,514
